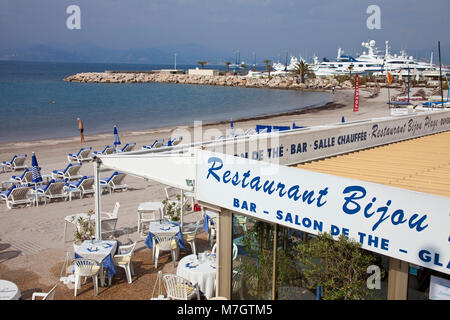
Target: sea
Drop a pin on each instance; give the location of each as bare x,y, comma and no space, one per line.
36,104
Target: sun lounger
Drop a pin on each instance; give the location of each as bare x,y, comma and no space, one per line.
115,182
84,186
70,172
157,144
25,177
127,147
107,150
17,162
174,142
53,190
82,155
294,126
16,195
281,128
260,128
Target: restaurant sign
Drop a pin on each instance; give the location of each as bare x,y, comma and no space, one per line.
403,224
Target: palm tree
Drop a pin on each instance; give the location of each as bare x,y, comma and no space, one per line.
202,63
228,66
301,69
268,66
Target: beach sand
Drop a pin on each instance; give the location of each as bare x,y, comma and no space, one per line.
32,251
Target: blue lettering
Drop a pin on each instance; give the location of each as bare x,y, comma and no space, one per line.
318,225
418,223
293,193
226,174
246,175
366,213
322,193
400,215
306,222
361,237
280,187
308,197
235,181
214,160
288,217
252,207
424,255
382,218
268,187
350,199
236,203
384,244
334,230
279,214
254,184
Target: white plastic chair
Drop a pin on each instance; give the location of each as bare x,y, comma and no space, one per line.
235,250
178,288
45,295
109,227
123,259
86,268
114,213
25,177
147,217
171,193
70,172
212,230
189,234
242,221
164,243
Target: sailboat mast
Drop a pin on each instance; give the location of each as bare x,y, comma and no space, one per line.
440,74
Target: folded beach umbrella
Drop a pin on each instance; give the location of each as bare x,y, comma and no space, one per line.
116,137
231,126
35,170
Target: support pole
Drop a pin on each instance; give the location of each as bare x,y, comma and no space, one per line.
397,280
98,192
274,267
224,253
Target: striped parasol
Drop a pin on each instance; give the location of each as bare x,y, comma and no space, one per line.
35,170
116,137
231,127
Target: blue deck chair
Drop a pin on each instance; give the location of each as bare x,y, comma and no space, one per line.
83,186
70,172
158,143
281,128
53,190
82,155
107,150
174,142
17,162
126,148
260,128
25,177
114,182
294,126
17,194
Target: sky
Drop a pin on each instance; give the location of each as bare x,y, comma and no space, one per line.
266,28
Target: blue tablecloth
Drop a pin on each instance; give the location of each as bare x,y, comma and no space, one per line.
107,262
149,239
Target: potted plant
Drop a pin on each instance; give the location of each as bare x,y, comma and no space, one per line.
173,208
85,229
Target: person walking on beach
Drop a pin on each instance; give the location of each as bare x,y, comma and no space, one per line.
80,127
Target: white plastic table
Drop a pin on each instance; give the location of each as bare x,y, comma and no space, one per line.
204,274
73,219
9,290
103,249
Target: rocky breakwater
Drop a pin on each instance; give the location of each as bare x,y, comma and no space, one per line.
275,82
